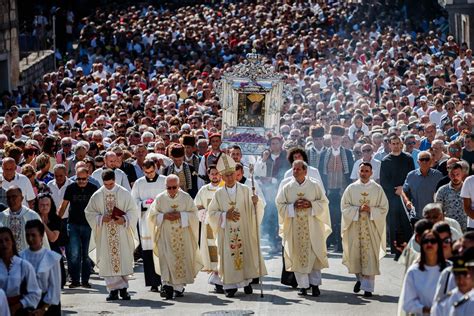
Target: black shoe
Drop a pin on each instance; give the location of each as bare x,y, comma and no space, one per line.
302,292
167,292
230,293
357,287
367,294
219,289
154,289
113,296
124,295
315,290
73,285
86,285
248,289
178,293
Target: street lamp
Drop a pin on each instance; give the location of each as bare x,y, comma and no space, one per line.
54,11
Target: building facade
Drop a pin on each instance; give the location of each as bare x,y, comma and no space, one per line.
461,14
9,49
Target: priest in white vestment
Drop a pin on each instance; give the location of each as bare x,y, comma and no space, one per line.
305,224
234,215
173,220
364,208
144,192
112,215
208,246
16,216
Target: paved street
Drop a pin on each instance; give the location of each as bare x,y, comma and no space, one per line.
336,296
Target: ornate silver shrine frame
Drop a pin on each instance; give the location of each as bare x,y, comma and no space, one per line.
251,96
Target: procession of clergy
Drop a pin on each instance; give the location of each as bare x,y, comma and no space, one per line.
218,231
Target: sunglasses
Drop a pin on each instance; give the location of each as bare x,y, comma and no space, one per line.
366,150
81,179
172,188
432,241
454,150
447,240
424,159
410,143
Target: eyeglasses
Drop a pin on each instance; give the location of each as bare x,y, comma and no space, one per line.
356,152
432,241
450,108
67,145
447,240
454,150
424,159
410,143
172,188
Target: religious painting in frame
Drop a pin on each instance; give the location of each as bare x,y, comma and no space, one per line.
251,95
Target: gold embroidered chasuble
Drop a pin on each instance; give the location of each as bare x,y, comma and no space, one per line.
175,249
304,231
363,234
237,244
112,245
208,247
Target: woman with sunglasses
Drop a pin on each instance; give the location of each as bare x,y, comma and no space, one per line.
46,209
444,231
47,268
420,281
17,277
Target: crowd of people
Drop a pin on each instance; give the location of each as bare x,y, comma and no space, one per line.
377,126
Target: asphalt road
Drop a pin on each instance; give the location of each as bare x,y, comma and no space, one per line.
336,296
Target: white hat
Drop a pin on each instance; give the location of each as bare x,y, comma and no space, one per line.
113,97
225,164
423,98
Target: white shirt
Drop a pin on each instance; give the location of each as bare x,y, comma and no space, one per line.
435,117
58,194
52,126
120,178
24,184
48,272
4,310
144,189
375,169
467,191
419,288
446,307
353,128
10,281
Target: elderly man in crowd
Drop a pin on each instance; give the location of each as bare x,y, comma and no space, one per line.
420,184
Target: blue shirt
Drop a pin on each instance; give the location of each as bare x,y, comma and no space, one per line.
425,144
414,155
420,189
